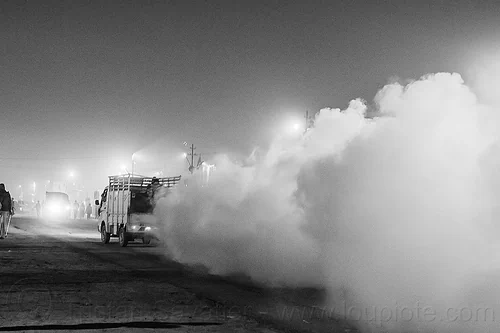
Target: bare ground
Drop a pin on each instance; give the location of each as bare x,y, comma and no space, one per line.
58,276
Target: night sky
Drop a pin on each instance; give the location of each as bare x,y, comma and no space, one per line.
84,84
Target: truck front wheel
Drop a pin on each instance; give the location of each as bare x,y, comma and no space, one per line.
104,235
122,237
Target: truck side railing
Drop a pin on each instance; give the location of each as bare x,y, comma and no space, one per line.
119,189
126,182
118,192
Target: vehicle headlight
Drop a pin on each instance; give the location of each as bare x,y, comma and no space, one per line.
54,208
147,228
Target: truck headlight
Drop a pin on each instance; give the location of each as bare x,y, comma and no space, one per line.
148,228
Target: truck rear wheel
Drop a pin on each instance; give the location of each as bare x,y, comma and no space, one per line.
104,235
122,237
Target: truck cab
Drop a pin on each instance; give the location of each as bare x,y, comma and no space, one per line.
127,205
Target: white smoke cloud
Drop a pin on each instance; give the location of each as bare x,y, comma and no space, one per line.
484,76
397,212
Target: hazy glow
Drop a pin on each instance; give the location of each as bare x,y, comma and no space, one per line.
292,127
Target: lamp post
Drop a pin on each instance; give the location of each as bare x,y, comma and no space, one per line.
71,176
33,196
133,164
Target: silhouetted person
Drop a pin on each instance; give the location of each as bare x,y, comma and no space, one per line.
82,210
5,211
152,189
88,211
75,210
38,208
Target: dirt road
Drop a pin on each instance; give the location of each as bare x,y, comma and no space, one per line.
58,276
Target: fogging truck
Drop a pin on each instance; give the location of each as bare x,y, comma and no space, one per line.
126,207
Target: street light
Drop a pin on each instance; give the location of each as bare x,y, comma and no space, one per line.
124,169
70,184
292,128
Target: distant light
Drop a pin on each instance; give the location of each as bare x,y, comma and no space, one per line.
292,128
184,155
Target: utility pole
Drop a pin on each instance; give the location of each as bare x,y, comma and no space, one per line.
133,164
190,161
309,121
191,164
